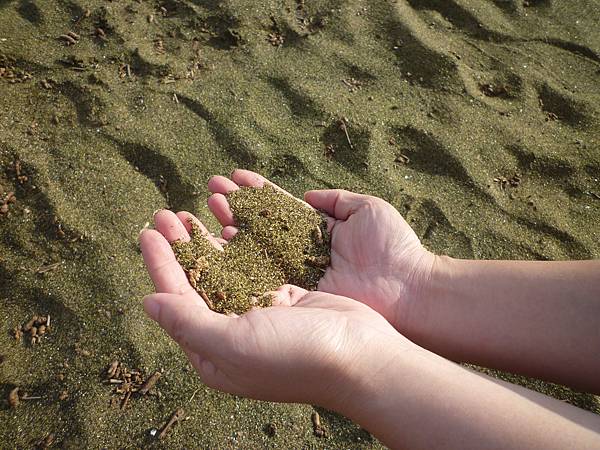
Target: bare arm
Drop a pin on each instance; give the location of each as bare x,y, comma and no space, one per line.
423,401
540,319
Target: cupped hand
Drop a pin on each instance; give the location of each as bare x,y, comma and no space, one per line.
376,257
308,347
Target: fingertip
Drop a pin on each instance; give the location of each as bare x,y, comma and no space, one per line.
149,236
229,232
243,177
186,219
309,196
170,226
221,184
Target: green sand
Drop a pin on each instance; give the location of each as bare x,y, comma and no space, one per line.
280,241
110,130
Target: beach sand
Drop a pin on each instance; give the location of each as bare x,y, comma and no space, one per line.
478,120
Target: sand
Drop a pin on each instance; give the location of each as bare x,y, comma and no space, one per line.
279,241
478,120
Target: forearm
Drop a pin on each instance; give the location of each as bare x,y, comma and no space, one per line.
540,319
423,401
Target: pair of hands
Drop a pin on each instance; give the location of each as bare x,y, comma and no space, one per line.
310,346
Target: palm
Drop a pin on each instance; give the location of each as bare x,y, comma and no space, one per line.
368,249
376,257
303,345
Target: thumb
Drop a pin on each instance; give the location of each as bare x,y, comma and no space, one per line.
338,203
191,325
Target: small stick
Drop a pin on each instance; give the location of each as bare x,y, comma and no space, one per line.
175,417
31,397
126,400
114,381
112,369
207,300
317,427
69,39
49,267
73,35
345,130
150,382
318,235
193,395
29,325
48,321
128,68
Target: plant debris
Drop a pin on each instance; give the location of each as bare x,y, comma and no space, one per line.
150,382
13,398
175,417
276,39
36,327
318,429
504,182
6,201
11,73
16,395
494,90
352,84
128,382
280,240
70,38
342,123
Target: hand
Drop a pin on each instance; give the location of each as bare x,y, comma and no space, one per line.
376,257
309,347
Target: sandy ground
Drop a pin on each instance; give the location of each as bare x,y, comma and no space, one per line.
478,120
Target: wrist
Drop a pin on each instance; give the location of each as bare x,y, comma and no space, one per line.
360,380
392,389
414,310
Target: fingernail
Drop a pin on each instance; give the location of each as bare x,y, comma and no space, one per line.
154,213
152,307
144,228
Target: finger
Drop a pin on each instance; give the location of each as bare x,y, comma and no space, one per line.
167,223
229,232
166,273
248,178
221,185
191,299
287,295
337,203
194,327
187,219
218,205
244,177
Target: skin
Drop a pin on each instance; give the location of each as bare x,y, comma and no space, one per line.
327,349
469,311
